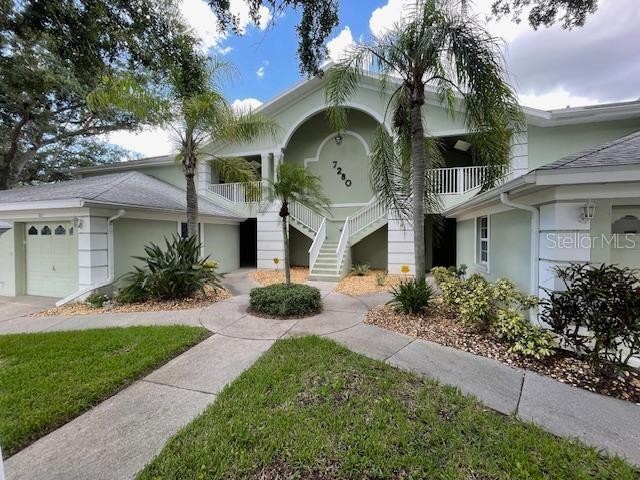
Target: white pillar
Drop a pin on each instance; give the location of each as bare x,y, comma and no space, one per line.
564,239
519,154
400,248
93,261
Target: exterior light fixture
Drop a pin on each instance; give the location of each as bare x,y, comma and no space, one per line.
338,139
587,211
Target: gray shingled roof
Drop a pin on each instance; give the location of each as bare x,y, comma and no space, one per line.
622,151
133,189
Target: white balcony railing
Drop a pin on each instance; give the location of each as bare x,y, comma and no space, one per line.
459,180
247,192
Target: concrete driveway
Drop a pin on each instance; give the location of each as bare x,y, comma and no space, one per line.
15,307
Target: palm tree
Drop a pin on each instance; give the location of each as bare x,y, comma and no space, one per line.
294,183
194,108
453,53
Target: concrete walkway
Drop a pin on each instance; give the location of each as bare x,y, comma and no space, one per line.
118,437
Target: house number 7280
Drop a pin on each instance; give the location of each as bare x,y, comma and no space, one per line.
343,176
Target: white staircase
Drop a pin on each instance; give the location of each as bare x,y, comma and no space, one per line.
334,258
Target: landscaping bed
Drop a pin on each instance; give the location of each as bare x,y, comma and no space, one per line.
49,378
439,325
355,285
270,277
197,300
285,301
310,409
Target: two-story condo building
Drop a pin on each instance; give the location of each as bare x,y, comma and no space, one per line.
572,193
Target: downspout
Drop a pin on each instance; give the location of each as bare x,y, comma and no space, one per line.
535,245
110,264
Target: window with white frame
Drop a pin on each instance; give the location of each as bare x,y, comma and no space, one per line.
482,242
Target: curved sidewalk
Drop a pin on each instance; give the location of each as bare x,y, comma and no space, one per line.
118,437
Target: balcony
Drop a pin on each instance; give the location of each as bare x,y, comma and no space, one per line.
455,184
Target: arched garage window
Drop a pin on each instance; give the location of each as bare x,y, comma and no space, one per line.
45,230
626,224
60,230
33,231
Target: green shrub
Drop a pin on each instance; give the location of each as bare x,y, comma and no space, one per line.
286,300
360,269
598,314
97,300
381,278
411,297
175,272
525,338
134,292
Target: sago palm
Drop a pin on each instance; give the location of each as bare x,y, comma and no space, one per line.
194,108
294,183
436,45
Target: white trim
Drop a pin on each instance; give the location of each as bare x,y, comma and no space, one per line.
355,204
448,133
331,136
484,267
319,108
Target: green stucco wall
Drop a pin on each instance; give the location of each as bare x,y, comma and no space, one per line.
299,245
552,143
509,247
130,237
222,243
308,143
372,249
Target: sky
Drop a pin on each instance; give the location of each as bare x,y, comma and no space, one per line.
549,68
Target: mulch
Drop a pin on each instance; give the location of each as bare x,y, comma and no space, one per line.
196,301
441,326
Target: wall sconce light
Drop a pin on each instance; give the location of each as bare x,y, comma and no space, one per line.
338,139
587,212
77,222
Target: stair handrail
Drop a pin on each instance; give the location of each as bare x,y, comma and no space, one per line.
305,216
316,245
367,215
237,192
342,245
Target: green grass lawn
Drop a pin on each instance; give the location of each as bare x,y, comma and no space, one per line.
48,378
309,409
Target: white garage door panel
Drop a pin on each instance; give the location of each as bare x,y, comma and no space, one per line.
52,260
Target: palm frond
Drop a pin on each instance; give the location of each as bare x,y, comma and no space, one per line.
131,96
244,126
296,183
234,169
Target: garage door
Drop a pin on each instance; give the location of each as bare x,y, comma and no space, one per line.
52,259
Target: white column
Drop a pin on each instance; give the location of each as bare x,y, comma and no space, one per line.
93,262
270,241
400,248
564,239
203,176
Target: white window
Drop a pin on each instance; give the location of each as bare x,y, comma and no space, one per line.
482,241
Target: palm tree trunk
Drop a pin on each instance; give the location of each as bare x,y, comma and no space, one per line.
189,164
418,166
285,237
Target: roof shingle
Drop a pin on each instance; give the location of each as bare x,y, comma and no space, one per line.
133,189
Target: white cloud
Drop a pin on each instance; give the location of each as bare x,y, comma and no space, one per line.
338,45
204,22
260,72
149,142
554,99
245,104
385,17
